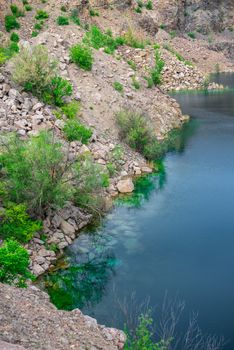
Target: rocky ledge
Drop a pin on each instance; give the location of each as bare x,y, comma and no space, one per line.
29,320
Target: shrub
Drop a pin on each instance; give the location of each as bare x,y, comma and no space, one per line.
156,72
33,172
56,90
93,13
131,39
34,33
132,64
75,16
71,109
11,23
135,83
75,131
192,35
133,129
14,264
13,48
63,8
37,26
82,56
118,86
14,37
16,11
41,14
62,21
28,7
33,69
92,178
97,40
16,223
149,5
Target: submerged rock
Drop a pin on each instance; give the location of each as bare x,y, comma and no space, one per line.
125,186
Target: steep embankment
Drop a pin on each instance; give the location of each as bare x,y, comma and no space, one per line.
30,320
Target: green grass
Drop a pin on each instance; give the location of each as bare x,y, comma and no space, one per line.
62,21
118,86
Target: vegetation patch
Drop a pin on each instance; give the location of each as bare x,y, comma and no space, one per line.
82,56
11,23
75,131
62,21
14,264
41,14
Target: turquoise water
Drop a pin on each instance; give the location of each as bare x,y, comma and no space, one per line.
175,234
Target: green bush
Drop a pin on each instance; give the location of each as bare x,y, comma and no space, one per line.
138,9
156,72
14,37
11,23
63,8
93,13
33,69
92,179
33,171
41,14
16,223
133,129
192,35
75,131
71,109
34,33
75,16
82,56
132,39
118,86
28,7
135,83
16,11
149,5
14,264
97,40
62,21
143,337
55,92
37,26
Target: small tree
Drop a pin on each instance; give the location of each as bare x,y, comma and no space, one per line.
33,69
14,263
35,172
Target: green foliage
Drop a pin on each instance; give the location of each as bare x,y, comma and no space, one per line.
37,26
28,7
41,14
162,26
177,55
75,131
118,86
62,21
16,223
135,131
33,69
135,83
34,33
11,23
172,34
192,35
142,339
14,37
93,13
75,16
37,72
156,72
16,11
7,52
138,9
97,40
82,56
71,109
33,172
92,179
14,264
56,90
131,39
132,64
149,5
63,8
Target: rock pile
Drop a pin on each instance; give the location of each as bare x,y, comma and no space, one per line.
31,321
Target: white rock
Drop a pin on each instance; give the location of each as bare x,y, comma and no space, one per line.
125,186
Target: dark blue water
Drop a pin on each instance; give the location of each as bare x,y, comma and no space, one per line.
176,234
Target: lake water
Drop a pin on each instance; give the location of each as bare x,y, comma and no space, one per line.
175,234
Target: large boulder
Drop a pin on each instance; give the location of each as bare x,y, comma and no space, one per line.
125,186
